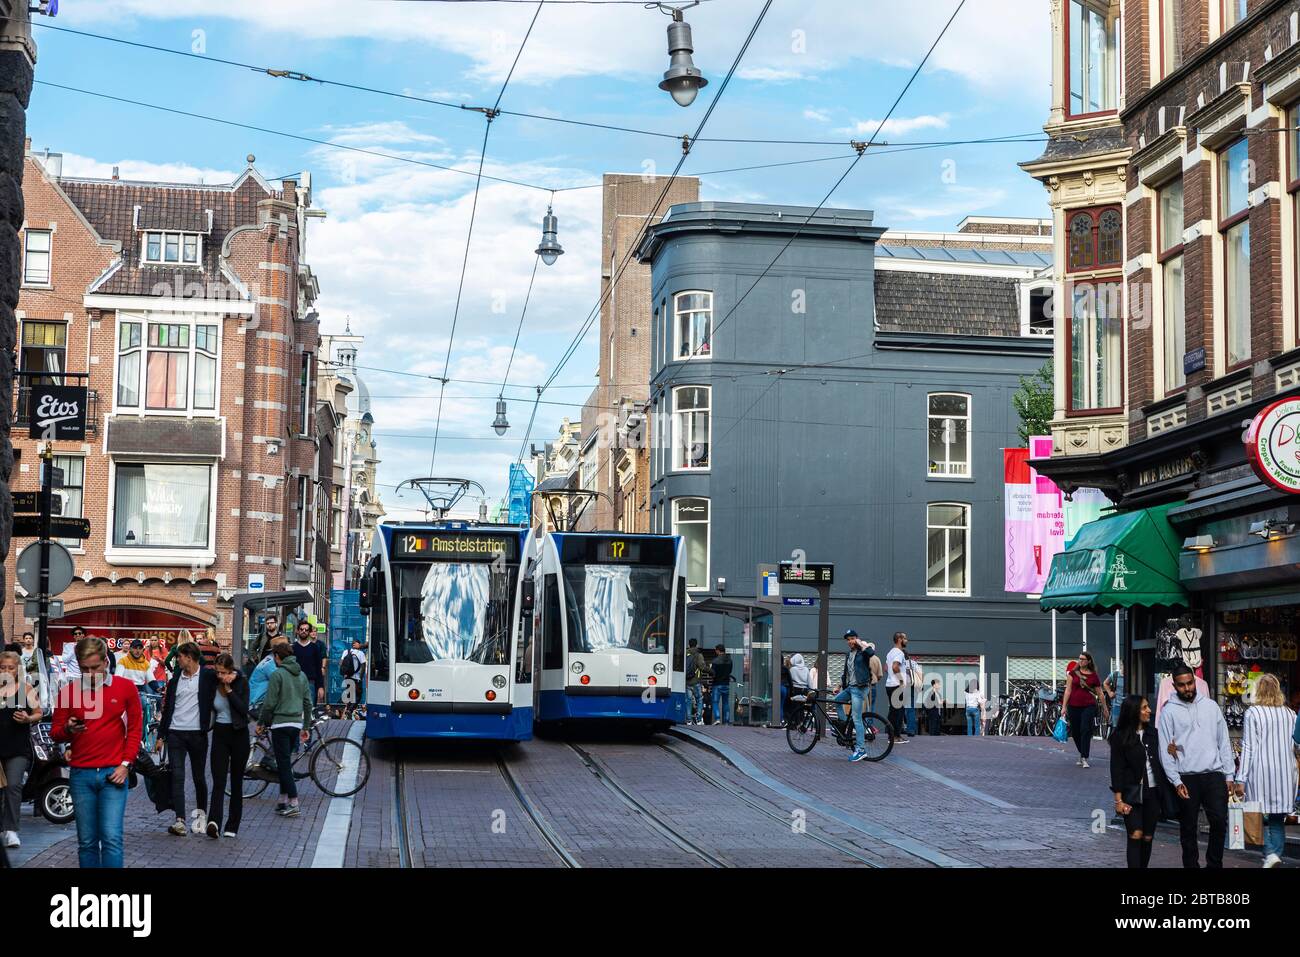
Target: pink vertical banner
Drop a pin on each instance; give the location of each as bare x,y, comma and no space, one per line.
1049,515
1034,518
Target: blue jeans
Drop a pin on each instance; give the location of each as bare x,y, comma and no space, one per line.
855,696
100,809
911,720
695,702
973,721
722,703
1274,834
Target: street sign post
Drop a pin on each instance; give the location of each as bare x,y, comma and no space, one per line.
32,608
28,571
30,503
799,602
818,575
29,526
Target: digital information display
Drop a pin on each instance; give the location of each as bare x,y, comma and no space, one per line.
450,546
615,550
807,573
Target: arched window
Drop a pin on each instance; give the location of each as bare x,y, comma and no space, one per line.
1082,252
1110,232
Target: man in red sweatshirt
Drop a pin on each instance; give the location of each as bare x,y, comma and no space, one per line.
101,717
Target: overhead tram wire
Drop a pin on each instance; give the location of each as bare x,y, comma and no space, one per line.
447,104
490,115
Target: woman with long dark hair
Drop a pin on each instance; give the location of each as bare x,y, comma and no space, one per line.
1136,776
230,746
1082,691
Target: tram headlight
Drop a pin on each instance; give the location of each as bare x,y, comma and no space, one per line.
659,668
499,681
585,679
405,680
576,667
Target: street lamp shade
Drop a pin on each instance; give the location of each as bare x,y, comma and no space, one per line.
550,248
683,78
500,425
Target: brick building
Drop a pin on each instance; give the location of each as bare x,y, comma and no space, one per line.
188,307
1177,303
616,431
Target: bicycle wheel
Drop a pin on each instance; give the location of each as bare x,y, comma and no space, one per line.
334,760
803,729
1013,724
252,786
879,737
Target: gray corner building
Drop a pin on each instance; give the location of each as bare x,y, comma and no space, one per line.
849,403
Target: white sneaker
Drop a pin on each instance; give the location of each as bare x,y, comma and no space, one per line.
1079,763
1272,860
11,839
200,823
1083,763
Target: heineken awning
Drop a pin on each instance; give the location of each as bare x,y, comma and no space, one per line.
1118,562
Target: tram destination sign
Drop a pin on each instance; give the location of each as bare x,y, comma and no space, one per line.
617,550
452,546
806,573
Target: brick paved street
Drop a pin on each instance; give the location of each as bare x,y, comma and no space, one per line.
673,801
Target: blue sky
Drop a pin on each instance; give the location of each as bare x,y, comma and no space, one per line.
390,251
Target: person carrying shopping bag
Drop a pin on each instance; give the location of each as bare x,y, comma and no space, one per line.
1268,766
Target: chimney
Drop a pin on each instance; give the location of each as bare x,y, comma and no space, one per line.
51,162
114,172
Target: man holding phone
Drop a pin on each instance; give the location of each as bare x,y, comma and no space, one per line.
102,719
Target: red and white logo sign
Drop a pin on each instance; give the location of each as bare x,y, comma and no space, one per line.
1273,444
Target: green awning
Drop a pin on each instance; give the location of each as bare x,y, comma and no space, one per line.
1118,562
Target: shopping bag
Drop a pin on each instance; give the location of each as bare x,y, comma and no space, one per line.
1253,812
1236,827
1062,731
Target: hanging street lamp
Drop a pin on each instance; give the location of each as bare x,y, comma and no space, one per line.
683,78
500,425
550,248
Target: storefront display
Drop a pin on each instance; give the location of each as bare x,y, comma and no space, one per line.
1254,642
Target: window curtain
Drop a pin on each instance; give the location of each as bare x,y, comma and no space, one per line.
161,506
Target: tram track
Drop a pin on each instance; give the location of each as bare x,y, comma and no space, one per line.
401,821
651,818
839,847
543,826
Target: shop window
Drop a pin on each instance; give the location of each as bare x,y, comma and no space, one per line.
1093,54
1095,238
1235,178
691,522
1169,246
949,434
161,505
947,528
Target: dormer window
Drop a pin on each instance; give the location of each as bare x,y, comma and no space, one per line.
182,249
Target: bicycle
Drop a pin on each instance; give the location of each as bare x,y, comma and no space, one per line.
325,760
809,719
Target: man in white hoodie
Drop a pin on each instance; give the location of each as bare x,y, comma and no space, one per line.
1198,760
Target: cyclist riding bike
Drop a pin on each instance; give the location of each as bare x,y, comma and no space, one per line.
854,686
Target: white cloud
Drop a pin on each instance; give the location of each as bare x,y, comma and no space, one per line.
368,134
896,126
75,164
768,74
945,206
817,116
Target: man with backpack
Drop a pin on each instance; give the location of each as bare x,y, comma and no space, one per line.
352,669
853,688
696,669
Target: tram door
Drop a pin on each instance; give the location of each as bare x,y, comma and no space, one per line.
548,674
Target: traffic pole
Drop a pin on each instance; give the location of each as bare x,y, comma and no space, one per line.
43,598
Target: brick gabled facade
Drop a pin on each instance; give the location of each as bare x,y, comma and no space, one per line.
199,423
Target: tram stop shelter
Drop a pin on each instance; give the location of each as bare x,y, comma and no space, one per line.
758,683
246,609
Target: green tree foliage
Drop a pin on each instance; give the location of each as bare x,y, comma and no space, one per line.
1034,403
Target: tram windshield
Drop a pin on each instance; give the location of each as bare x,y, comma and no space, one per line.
618,607
455,611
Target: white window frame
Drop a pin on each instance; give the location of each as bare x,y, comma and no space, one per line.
48,252
305,389
967,513
677,326
683,466
180,260
944,469
707,522
143,556
76,546
301,518
144,319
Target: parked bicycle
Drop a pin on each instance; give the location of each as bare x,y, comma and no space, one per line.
810,717
322,759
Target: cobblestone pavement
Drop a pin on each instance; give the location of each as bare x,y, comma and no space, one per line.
988,801
701,797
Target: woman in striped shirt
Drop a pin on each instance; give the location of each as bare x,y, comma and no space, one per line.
1268,766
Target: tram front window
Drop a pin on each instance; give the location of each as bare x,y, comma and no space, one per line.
618,608
451,611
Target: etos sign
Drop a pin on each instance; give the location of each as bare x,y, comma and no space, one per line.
1273,445
57,412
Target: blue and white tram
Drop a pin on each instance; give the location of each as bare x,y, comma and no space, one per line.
610,618
450,622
